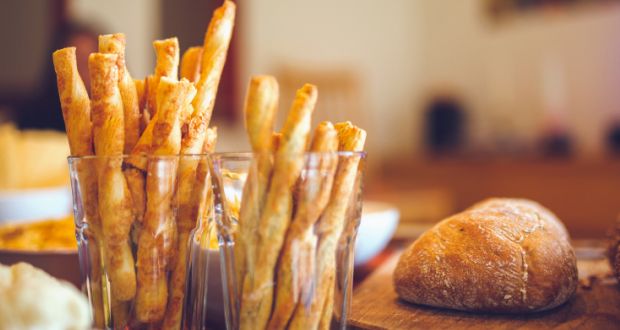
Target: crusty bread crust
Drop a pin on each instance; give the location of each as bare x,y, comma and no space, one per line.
613,251
501,256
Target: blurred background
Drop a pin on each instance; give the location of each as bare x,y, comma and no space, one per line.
462,100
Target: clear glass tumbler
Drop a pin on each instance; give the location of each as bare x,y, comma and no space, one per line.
286,227
134,216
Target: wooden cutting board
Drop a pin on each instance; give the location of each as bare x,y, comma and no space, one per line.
376,306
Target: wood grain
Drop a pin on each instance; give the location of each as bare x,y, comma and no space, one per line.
376,306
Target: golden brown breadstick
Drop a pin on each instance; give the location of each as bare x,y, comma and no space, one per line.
157,237
261,104
152,292
150,108
115,44
136,169
145,117
190,63
191,193
140,90
167,52
351,138
296,263
74,102
167,63
215,48
276,137
328,305
172,97
114,199
76,112
203,181
276,216
75,106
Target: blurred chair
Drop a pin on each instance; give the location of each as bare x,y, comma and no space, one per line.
339,92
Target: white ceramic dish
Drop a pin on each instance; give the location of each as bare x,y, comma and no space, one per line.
378,224
34,204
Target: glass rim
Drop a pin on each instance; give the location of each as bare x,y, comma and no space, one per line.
124,156
249,154
222,154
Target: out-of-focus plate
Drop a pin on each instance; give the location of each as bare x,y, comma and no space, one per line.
24,205
378,224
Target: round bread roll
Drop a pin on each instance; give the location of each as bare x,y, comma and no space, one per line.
32,299
499,256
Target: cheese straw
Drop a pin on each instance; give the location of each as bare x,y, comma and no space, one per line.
190,63
257,288
114,199
296,264
76,111
351,138
261,105
214,51
167,54
157,236
115,44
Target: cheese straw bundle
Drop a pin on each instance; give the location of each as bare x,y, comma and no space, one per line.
138,199
295,214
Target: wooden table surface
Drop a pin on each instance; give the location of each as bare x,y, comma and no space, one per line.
375,305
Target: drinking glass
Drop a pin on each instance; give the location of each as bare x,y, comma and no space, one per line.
134,216
286,227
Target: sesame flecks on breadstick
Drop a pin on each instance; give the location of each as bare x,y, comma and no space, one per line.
115,44
76,110
261,105
214,51
114,198
190,63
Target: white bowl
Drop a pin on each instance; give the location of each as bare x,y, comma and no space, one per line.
378,224
34,204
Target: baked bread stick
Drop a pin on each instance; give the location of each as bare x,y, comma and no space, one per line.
296,264
215,49
76,112
190,63
141,92
75,106
114,199
115,44
157,236
260,109
257,287
74,102
166,65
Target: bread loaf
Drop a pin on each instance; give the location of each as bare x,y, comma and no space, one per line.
614,249
499,256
